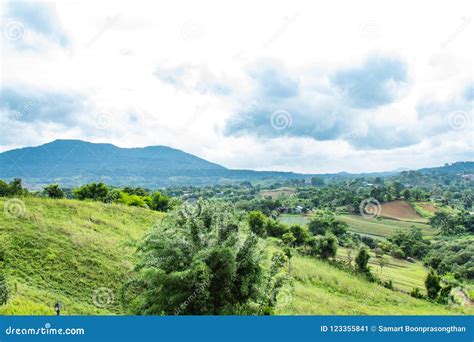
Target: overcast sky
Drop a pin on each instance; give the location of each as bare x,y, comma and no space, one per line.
292,85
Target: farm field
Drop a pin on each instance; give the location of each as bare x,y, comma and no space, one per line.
377,228
400,210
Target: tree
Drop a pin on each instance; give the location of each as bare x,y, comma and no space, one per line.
256,222
159,202
93,191
14,188
300,233
406,194
327,247
275,228
362,260
432,284
201,265
321,224
446,223
54,191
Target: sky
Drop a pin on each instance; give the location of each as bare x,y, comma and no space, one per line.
267,85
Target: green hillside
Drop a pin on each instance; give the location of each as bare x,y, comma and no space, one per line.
71,251
81,253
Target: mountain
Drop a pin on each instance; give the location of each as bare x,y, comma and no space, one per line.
75,162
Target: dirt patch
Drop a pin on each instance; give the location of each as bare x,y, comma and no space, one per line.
400,210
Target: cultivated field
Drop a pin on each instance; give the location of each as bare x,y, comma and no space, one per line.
400,210
378,228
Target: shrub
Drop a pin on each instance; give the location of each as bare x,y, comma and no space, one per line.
275,228
256,222
432,284
93,191
362,260
416,293
54,191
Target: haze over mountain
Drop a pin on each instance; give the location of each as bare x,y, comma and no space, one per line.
76,162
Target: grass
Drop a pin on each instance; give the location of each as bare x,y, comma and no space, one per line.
68,250
404,275
321,289
378,228
382,227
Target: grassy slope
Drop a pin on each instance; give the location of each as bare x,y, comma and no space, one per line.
321,289
404,275
65,250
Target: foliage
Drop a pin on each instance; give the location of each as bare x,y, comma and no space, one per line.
257,222
323,246
93,191
300,233
14,188
159,202
275,228
409,243
324,223
201,265
453,223
432,284
362,260
54,191
452,256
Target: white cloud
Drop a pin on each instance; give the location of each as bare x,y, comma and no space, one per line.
116,50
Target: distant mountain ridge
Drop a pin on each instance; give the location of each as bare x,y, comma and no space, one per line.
76,162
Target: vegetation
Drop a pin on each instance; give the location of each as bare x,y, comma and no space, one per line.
209,257
153,255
